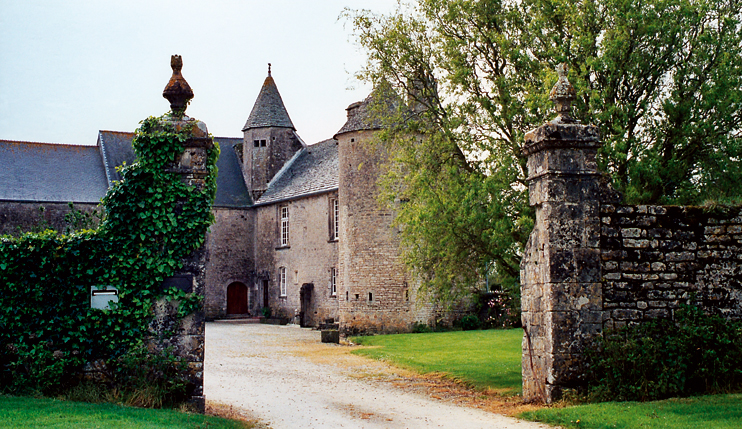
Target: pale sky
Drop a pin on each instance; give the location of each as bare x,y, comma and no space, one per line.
69,68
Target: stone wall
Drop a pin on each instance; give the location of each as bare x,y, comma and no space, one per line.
261,163
185,336
655,258
591,263
376,294
309,234
19,216
230,246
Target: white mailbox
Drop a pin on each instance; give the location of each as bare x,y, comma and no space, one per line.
102,296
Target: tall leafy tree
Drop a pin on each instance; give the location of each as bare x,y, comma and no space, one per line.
662,79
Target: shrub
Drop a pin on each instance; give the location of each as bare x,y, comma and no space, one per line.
421,328
470,322
693,354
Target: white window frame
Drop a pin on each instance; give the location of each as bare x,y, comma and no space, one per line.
284,213
333,281
335,206
282,281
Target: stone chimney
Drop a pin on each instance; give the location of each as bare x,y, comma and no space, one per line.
561,293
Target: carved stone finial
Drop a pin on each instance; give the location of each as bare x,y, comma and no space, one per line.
269,69
177,91
562,94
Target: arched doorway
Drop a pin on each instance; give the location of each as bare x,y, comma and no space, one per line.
236,298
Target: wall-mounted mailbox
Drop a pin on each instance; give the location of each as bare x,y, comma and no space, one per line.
102,296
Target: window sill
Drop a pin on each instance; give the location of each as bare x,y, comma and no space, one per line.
283,247
333,240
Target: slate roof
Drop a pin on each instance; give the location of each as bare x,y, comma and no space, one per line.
313,170
231,190
115,149
46,172
230,185
269,110
368,114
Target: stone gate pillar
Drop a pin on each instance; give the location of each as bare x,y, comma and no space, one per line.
561,299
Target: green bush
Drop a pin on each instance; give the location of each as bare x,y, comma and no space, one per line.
470,322
421,328
694,354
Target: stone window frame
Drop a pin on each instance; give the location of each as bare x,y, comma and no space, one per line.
333,282
334,219
282,292
283,212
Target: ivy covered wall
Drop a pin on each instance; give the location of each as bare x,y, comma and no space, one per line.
153,221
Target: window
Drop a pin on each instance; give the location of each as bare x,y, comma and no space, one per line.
262,143
370,296
256,143
333,282
334,219
284,225
282,280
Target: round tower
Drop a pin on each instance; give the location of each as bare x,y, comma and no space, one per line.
374,290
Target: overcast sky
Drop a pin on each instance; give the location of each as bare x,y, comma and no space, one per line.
70,68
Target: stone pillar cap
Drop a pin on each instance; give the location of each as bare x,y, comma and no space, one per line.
177,91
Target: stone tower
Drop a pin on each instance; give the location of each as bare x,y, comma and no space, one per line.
269,138
374,291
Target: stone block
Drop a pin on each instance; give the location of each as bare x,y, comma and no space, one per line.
330,336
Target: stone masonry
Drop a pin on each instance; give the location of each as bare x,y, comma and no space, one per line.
560,272
655,258
592,263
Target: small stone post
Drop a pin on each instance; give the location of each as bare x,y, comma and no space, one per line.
561,300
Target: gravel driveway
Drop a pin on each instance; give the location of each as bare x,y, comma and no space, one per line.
285,377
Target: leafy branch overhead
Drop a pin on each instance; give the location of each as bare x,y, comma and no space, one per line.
662,79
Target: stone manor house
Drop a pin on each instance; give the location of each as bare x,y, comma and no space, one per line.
298,228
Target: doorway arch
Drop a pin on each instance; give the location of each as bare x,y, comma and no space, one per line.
236,298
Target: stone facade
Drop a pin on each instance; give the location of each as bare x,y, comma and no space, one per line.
376,294
231,260
307,260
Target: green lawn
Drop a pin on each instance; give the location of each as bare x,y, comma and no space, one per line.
491,359
706,412
22,413
484,359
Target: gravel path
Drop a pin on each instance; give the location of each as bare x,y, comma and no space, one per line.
286,378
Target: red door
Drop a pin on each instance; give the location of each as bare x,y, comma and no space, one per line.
236,298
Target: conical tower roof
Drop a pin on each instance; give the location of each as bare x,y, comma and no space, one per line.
269,110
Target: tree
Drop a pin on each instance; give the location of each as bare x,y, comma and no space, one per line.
662,79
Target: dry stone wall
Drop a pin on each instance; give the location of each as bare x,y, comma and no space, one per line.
655,258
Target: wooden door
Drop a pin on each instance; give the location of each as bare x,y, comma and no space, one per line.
236,298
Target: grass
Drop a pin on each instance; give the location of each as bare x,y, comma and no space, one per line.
24,412
491,360
707,412
482,359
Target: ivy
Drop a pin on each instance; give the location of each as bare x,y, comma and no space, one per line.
151,221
